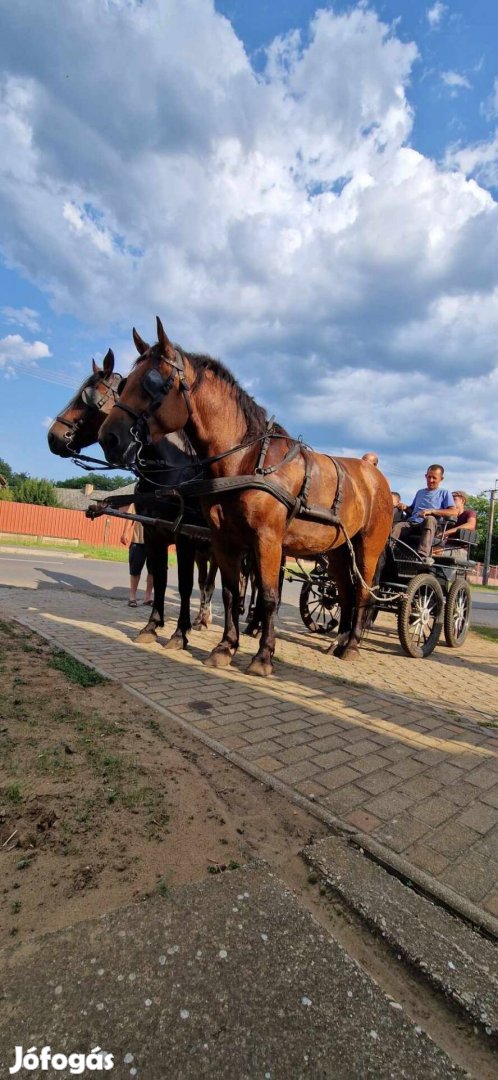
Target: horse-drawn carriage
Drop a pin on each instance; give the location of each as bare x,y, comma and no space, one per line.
427,600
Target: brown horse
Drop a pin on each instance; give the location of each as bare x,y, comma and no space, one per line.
76,427
169,389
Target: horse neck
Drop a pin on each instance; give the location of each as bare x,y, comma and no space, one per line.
216,423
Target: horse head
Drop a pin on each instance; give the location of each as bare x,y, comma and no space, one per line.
79,423
153,403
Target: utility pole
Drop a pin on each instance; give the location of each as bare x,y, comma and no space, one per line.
489,538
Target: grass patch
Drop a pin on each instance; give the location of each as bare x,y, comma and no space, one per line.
89,551
490,633
13,794
74,670
485,588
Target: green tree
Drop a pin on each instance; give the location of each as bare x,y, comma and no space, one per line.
480,503
6,494
36,492
100,481
6,471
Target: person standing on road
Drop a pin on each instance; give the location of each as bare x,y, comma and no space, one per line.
133,534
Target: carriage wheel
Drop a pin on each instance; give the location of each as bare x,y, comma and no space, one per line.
420,616
319,606
457,613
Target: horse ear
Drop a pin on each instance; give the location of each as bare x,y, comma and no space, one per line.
163,341
141,345
108,364
95,367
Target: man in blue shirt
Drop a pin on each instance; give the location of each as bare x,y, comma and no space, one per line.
429,503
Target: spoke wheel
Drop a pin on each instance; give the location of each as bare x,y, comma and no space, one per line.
457,613
319,606
420,616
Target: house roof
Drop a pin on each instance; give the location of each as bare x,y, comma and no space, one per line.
75,498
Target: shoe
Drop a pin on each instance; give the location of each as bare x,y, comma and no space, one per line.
132,603
427,560
148,603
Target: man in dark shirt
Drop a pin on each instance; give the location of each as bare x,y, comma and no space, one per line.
397,511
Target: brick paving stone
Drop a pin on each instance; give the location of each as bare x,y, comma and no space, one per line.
366,822
330,760
443,774
389,805
297,738
337,777
255,750
406,768
427,859
479,817
488,844
430,757
300,771
268,763
397,752
484,777
256,735
290,726
402,831
451,839
470,876
294,754
421,785
376,782
490,902
434,810
322,746
362,747
490,796
344,798
369,763
322,731
234,742
462,793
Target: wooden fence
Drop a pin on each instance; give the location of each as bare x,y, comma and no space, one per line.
43,522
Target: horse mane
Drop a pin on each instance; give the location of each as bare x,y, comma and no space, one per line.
255,415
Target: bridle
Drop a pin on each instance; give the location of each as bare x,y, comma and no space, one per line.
93,400
157,388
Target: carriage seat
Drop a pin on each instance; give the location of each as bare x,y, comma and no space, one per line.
457,548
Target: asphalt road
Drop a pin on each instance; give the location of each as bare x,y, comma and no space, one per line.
51,570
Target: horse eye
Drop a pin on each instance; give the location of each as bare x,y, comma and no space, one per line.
121,386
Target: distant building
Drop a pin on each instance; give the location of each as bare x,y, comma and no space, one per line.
77,499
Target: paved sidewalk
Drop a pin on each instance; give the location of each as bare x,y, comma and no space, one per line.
419,777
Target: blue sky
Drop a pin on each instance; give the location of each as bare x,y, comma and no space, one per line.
309,193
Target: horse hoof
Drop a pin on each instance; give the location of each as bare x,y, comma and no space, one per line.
219,659
200,625
176,643
350,654
336,650
261,668
147,637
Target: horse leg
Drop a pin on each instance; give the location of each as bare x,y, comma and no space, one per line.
208,568
339,570
185,552
156,549
268,561
228,560
367,560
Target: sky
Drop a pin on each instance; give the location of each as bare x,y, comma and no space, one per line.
308,193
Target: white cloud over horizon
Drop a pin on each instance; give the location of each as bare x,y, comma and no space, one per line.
14,350
279,217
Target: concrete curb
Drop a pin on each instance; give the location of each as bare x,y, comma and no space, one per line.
454,958
390,860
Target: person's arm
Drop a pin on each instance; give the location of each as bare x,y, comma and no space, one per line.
449,511
127,529
470,523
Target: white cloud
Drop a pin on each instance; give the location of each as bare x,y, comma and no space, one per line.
479,160
24,317
14,350
455,80
274,218
435,14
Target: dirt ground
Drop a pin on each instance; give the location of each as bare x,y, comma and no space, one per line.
103,802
